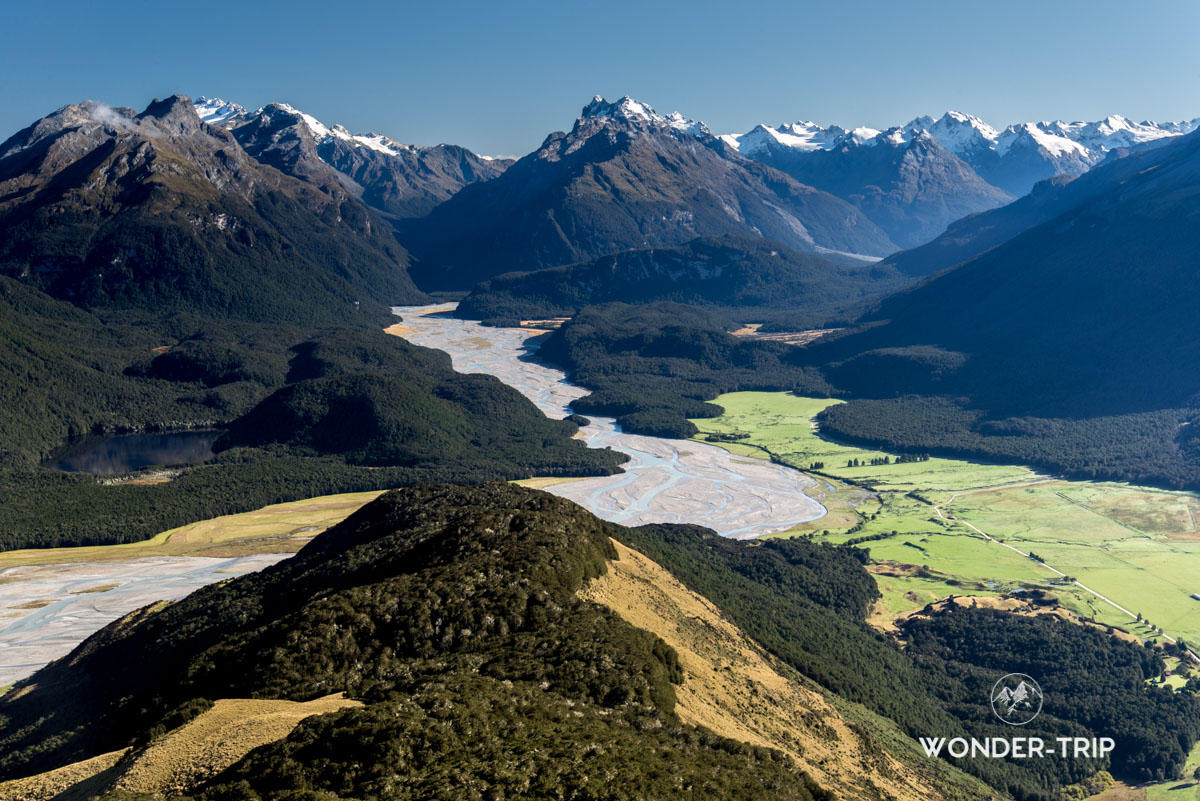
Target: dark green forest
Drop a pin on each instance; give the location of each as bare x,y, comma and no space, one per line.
654,366
747,279
1085,673
1153,447
310,412
451,612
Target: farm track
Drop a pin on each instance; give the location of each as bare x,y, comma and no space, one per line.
950,518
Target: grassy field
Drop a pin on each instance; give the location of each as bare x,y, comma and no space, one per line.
281,528
1138,546
1186,789
178,761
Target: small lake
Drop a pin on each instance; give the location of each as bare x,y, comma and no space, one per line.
124,453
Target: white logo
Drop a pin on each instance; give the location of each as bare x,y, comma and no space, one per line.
1016,699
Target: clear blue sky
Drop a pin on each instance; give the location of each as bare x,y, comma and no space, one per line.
497,77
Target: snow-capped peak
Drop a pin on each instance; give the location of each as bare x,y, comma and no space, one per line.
214,110
862,135
630,110
957,132
626,108
967,136
1047,136
682,123
219,111
319,130
897,136
801,135
1111,132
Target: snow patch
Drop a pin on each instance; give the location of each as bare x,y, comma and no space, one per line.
214,110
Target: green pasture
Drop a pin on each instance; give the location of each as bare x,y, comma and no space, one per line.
1139,546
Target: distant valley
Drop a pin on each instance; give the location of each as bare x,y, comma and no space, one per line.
941,378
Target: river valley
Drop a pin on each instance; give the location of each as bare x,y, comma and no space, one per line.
665,481
46,609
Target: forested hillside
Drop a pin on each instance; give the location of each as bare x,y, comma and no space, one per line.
345,409
805,603
748,278
654,366
1066,346
451,613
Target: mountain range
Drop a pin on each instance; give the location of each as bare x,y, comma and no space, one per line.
1012,159
395,179
111,208
626,177
914,180
663,179
1080,318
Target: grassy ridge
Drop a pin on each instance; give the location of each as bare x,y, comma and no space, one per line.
276,528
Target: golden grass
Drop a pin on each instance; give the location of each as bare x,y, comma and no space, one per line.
217,739
1121,792
53,784
280,528
182,759
547,324
751,331
735,689
543,482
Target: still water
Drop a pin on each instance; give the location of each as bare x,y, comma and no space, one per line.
124,453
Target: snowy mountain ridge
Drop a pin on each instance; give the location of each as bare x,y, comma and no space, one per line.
216,111
629,110
1012,159
962,134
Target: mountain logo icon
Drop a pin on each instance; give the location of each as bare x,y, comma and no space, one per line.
1016,699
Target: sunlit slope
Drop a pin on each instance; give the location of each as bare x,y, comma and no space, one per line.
734,688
